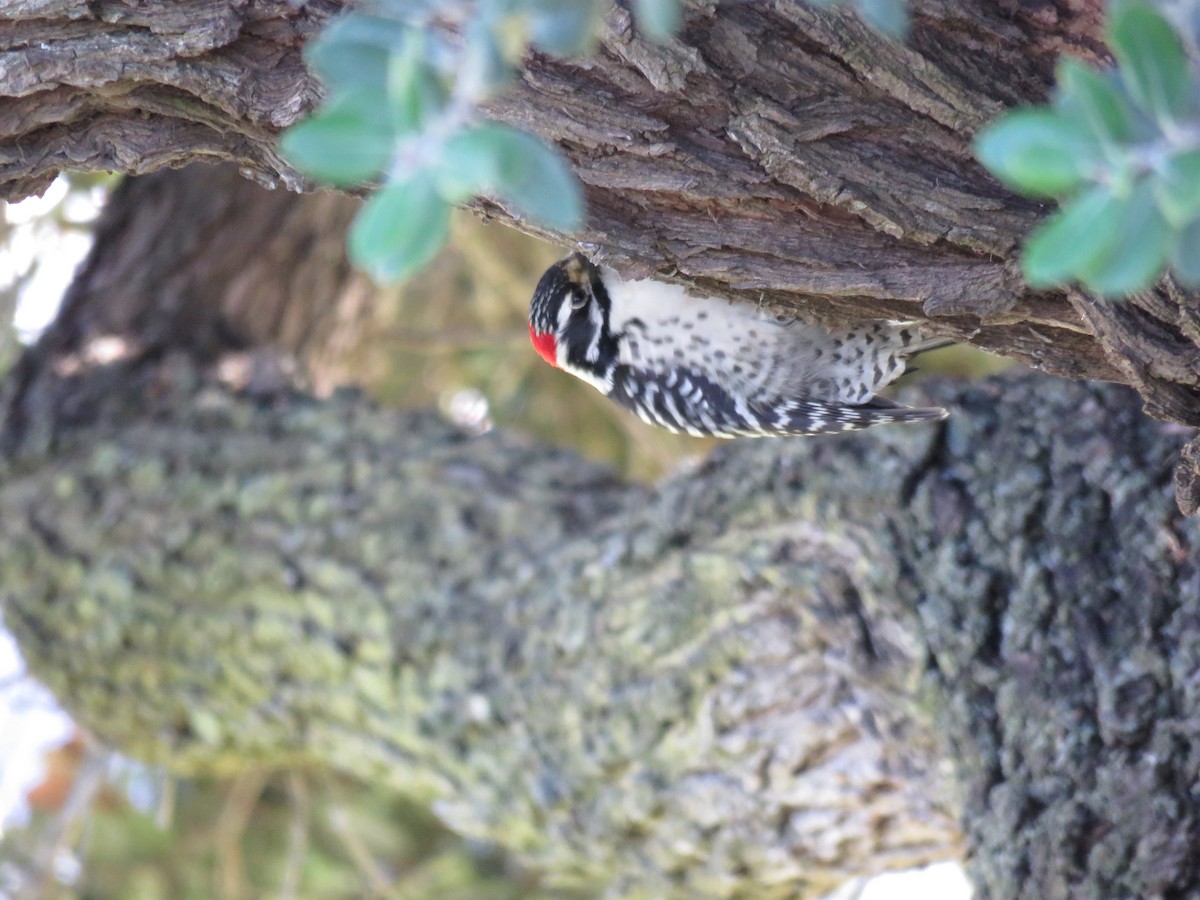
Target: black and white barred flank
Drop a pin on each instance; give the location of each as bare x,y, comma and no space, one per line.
689,403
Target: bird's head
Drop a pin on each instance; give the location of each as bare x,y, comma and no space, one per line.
568,319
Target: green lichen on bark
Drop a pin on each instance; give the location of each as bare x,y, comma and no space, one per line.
746,679
581,669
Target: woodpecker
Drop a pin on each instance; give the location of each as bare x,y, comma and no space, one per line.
710,368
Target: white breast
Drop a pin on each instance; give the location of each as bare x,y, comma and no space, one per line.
751,353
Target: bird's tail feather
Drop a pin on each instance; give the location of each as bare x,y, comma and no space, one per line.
819,417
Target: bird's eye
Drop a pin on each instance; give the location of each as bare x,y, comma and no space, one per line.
579,299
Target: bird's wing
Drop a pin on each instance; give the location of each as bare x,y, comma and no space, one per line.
688,401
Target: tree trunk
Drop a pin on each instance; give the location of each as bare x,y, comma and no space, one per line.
207,263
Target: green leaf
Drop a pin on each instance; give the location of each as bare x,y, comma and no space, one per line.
1037,152
887,16
353,50
1153,63
1185,256
564,27
658,19
412,10
1087,97
1177,188
484,69
416,93
399,229
528,176
348,142
1136,258
1073,239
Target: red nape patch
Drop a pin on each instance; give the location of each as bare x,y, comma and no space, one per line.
545,346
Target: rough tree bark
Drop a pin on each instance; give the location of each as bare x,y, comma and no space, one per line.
209,263
774,152
742,682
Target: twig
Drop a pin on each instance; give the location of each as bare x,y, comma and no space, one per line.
297,847
230,825
164,813
376,879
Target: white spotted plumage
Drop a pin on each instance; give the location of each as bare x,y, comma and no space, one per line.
705,366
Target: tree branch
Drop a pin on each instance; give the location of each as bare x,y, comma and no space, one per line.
728,681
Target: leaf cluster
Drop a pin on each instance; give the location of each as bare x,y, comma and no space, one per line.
1121,149
405,80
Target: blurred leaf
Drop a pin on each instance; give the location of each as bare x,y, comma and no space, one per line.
658,19
348,142
1153,63
399,229
1177,188
526,174
484,68
459,172
415,90
564,27
353,50
409,10
1073,239
1037,151
1185,256
888,16
1092,100
418,7
1136,258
